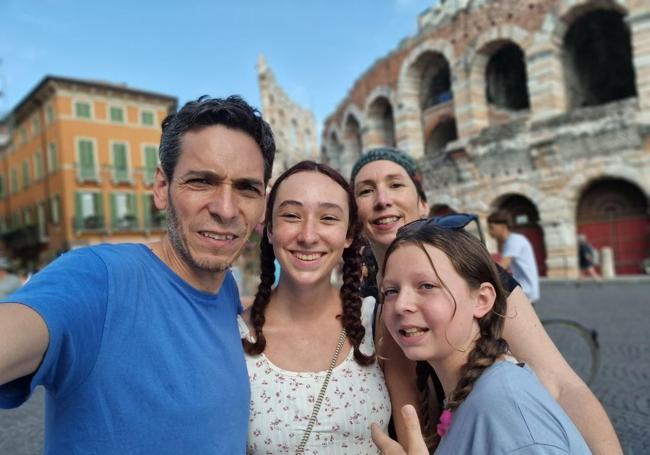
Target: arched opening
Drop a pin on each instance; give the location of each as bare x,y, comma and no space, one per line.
352,138
506,82
334,151
614,212
598,59
435,79
381,122
525,220
440,136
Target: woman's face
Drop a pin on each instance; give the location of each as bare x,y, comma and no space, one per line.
420,313
387,199
310,221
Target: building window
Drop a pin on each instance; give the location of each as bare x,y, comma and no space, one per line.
120,163
82,109
41,223
49,114
123,211
52,157
150,163
87,170
36,125
22,135
147,117
117,114
27,217
152,217
14,181
55,209
26,174
38,166
89,213
2,186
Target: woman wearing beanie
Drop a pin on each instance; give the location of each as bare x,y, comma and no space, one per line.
389,194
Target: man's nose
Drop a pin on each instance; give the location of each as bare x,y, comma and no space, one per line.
223,204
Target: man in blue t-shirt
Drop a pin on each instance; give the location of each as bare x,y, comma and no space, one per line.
516,253
136,345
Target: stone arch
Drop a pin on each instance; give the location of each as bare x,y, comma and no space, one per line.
615,212
333,146
409,118
487,45
526,220
380,119
568,10
441,134
351,138
597,54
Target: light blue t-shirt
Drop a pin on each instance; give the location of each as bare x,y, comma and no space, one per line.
510,412
138,362
524,266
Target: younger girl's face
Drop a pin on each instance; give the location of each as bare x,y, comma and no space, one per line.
309,227
420,313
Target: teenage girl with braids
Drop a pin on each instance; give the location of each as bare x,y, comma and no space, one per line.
388,191
444,304
290,332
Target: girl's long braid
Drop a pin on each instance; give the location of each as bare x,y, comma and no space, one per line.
351,301
262,297
488,348
423,372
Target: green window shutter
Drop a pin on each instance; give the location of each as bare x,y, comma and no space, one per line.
151,162
78,215
133,210
120,163
2,186
38,165
147,118
87,160
114,220
82,109
117,115
53,158
25,174
99,208
146,210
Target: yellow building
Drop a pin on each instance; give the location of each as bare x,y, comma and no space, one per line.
77,160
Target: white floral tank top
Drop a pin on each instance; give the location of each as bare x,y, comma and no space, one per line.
282,402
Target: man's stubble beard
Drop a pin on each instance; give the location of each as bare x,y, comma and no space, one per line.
179,244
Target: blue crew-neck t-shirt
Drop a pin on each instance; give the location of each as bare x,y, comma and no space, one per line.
510,412
138,361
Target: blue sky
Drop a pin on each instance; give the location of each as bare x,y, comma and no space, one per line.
186,49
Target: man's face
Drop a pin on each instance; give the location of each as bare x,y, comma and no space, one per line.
496,231
215,198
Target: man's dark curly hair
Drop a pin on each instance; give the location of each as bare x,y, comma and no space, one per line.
232,112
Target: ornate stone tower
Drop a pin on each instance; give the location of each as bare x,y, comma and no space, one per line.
293,126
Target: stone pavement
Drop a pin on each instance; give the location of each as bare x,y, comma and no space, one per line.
619,310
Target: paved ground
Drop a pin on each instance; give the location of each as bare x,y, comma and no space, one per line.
620,311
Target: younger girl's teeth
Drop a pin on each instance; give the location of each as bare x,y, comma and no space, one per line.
413,332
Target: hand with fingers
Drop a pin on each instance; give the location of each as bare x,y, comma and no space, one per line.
416,445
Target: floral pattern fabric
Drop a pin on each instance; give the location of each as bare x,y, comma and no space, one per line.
282,402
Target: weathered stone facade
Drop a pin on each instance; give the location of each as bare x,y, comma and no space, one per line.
540,107
294,127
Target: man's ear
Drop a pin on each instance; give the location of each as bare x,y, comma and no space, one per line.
485,297
160,189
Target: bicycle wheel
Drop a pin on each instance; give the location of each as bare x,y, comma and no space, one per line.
578,345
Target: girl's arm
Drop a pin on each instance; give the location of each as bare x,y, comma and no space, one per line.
530,343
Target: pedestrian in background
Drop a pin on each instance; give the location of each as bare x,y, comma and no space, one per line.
587,258
516,253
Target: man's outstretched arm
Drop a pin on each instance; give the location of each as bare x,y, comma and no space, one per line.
23,341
